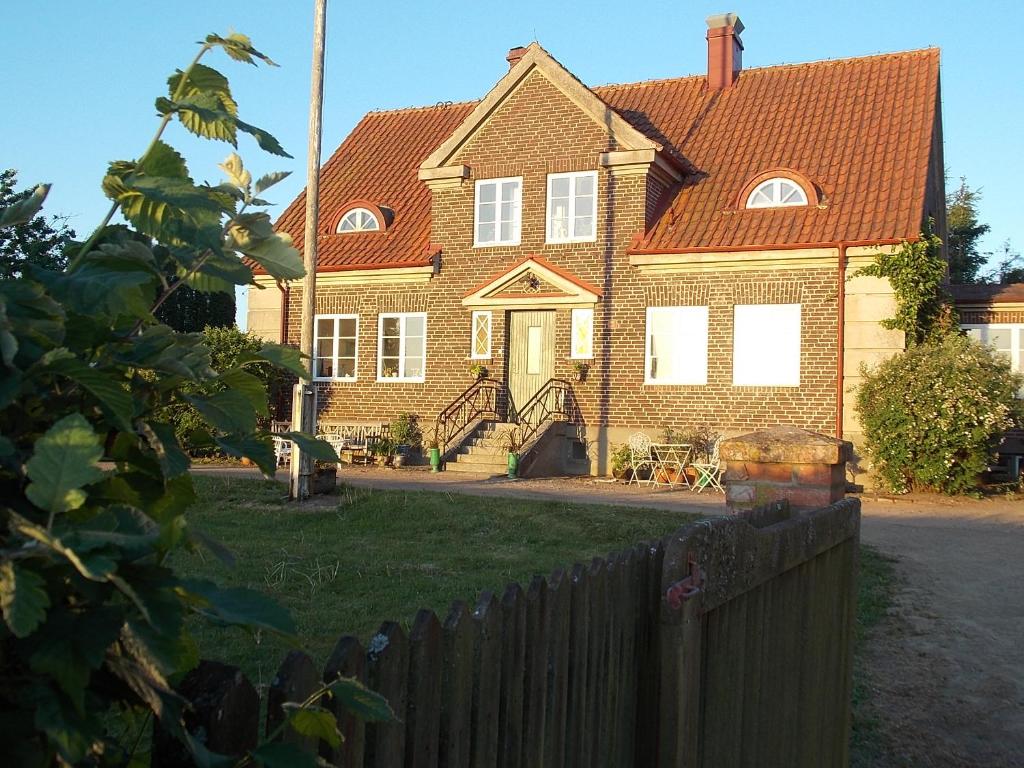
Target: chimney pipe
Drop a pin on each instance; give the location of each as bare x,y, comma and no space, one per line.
725,50
514,55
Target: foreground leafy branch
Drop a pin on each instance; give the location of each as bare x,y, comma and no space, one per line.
95,620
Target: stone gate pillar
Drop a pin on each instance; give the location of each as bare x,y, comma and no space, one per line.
806,468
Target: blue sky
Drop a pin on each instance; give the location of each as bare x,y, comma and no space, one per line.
81,77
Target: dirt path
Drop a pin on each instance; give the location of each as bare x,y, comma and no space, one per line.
946,669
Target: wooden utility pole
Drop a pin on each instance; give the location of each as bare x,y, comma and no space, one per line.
304,397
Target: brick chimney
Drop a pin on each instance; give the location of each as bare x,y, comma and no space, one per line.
725,50
514,55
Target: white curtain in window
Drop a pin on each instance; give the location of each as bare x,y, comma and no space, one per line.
766,345
677,345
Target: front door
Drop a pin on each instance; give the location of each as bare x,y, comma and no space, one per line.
531,354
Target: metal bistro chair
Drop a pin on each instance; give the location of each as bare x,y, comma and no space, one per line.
640,456
710,473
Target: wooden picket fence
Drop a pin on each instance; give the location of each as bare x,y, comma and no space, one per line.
728,643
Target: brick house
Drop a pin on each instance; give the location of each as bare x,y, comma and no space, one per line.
689,240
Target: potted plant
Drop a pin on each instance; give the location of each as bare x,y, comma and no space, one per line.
512,443
382,451
622,463
325,477
580,368
406,436
435,453
479,370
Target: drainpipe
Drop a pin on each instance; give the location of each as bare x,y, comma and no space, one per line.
841,338
285,293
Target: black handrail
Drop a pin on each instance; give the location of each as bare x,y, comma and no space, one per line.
552,402
477,401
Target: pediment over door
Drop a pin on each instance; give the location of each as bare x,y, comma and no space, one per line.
533,282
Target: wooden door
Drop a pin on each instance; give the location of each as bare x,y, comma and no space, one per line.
531,353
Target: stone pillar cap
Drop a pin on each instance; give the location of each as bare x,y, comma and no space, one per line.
787,445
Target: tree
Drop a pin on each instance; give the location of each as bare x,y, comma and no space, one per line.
35,241
97,624
1009,269
963,233
916,271
189,310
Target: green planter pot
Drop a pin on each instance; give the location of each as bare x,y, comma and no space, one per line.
435,459
513,465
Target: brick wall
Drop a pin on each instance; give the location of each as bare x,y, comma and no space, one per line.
539,131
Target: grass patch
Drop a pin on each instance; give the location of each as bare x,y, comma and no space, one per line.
875,588
344,563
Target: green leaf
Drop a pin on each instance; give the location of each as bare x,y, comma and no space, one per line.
318,449
161,438
268,180
227,411
115,400
64,460
365,704
313,721
239,607
282,755
249,385
205,115
259,449
267,142
96,289
163,160
205,80
249,229
235,171
6,446
23,598
94,567
239,47
24,210
277,256
280,356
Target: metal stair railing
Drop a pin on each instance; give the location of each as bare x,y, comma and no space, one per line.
478,401
552,402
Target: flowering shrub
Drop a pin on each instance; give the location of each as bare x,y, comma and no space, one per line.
931,414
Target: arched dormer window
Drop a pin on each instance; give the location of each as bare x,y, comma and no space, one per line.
776,192
359,220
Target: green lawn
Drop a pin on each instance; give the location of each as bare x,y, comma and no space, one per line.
345,563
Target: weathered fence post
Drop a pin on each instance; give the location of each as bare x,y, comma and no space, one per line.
347,660
388,673
806,468
423,712
224,716
456,689
295,681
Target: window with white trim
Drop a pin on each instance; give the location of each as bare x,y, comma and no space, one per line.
582,333
677,345
481,335
766,345
777,193
572,207
1005,338
335,345
358,220
402,346
497,217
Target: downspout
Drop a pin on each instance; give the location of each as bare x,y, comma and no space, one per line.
285,294
841,338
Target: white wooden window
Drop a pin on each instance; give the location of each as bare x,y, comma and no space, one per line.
1006,338
402,346
677,345
777,193
335,345
572,207
582,333
358,220
497,220
766,345
481,336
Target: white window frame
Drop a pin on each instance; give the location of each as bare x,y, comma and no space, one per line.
771,374
365,212
334,354
699,375
1016,338
517,222
472,338
571,238
403,319
776,184
577,315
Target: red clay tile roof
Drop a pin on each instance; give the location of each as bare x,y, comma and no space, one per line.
860,129
1010,293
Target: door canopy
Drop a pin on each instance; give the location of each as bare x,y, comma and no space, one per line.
533,282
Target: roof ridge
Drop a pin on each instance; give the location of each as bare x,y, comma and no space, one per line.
423,108
784,65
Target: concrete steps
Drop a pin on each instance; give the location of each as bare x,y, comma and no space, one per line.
482,453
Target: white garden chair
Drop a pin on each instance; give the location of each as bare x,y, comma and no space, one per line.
709,473
282,451
640,457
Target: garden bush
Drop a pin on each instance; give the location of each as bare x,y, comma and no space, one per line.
931,414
